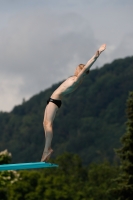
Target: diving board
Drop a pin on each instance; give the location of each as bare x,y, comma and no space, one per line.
20,166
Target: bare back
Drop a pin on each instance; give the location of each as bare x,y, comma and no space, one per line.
68,86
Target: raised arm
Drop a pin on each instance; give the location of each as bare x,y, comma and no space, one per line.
91,61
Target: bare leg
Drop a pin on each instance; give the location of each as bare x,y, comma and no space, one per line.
49,116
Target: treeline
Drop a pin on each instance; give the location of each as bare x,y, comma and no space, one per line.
72,180
89,123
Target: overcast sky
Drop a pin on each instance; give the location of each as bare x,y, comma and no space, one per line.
41,41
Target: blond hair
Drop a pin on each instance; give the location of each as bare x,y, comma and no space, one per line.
79,68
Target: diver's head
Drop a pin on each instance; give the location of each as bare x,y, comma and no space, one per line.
79,68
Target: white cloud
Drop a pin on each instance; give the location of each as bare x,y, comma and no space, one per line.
126,45
9,87
40,49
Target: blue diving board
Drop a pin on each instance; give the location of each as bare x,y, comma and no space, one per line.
20,166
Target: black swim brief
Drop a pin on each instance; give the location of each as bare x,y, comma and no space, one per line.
56,102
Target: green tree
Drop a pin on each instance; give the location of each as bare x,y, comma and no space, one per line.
64,183
6,177
5,157
67,182
25,188
124,190
99,181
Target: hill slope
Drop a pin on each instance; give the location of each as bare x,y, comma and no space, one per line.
90,121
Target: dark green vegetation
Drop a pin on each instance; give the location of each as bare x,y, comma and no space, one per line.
124,189
71,181
89,123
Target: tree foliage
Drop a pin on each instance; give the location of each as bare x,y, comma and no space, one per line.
124,189
70,181
6,177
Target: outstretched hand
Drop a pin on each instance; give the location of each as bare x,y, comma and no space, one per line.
102,48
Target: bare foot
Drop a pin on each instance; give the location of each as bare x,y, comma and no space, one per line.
46,155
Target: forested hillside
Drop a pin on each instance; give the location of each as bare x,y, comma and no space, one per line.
89,123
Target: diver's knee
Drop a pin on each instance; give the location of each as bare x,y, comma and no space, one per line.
47,124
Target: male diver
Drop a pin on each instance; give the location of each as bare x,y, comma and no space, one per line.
55,101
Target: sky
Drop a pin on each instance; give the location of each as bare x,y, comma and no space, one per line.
42,42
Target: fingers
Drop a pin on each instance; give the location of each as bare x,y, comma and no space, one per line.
102,48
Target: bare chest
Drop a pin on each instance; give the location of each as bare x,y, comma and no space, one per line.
68,86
